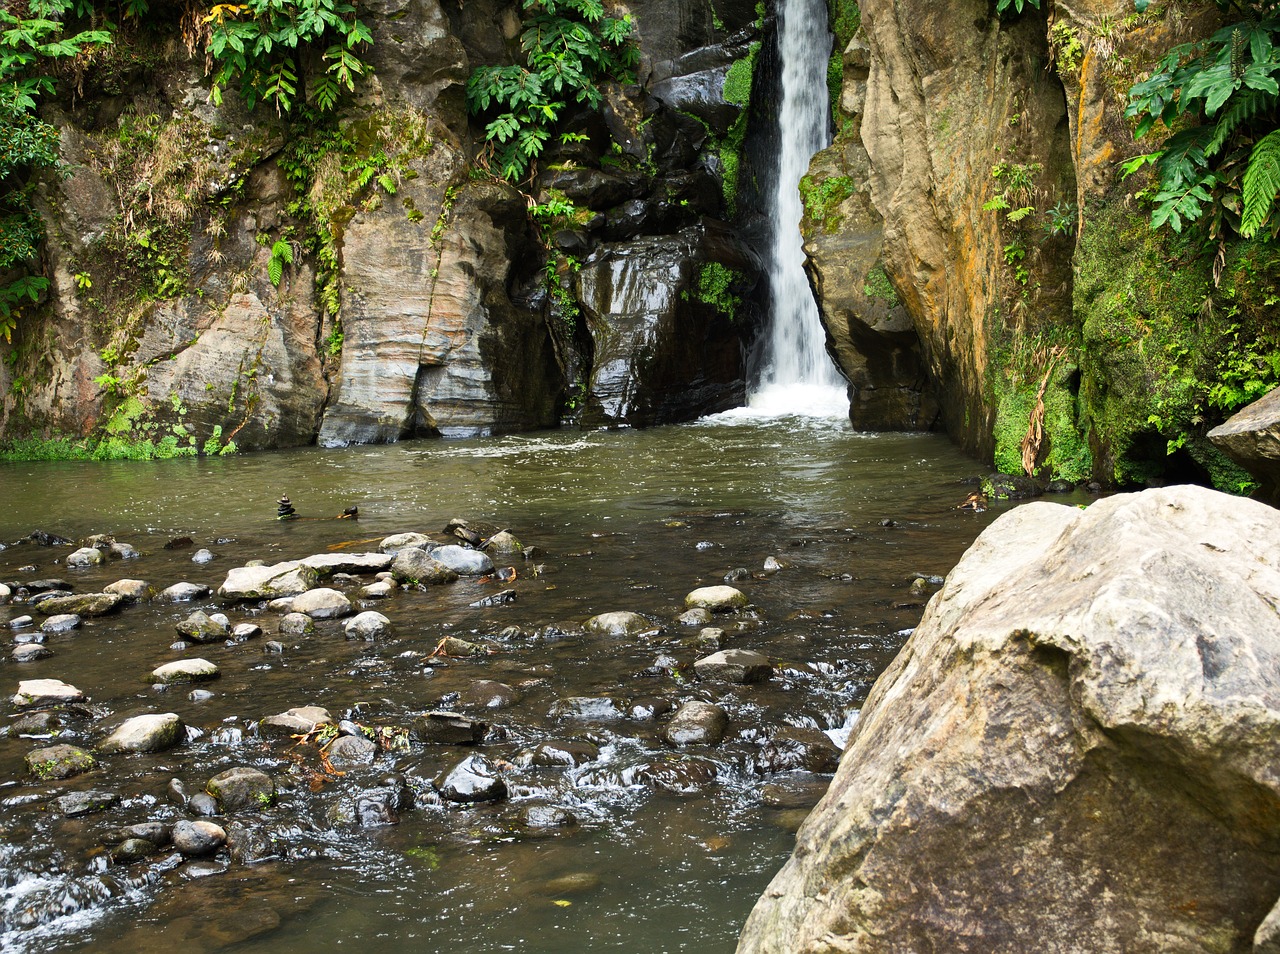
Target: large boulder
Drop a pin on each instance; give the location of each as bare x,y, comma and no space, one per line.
268,582
1075,750
1251,437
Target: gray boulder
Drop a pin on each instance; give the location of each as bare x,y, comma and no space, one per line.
322,603
619,623
696,723
367,625
1251,437
86,556
417,566
241,788
184,671
1084,725
183,592
155,732
463,560
200,628
132,591
734,665
717,599
46,692
81,604
268,582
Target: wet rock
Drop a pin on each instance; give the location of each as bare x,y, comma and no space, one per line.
377,591
619,623
797,748
78,804
204,804
588,709
352,750
83,604
157,832
245,631
202,556
18,622
86,556
296,721
46,692
737,575
649,709
417,566
37,724
696,723
183,592
488,694
296,624
504,543
453,646
1010,487
249,846
30,652
447,728
564,754
34,636
241,788
44,538
474,779
404,541
734,665
184,671
1059,486
273,646
200,628
132,850
717,599
195,839
698,616
5,593
59,762
46,586
710,638
462,560
268,582
503,598
62,623
773,564
801,791
549,816
131,591
328,564
368,625
201,695
156,732
322,603
123,551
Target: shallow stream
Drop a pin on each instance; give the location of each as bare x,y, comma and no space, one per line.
625,520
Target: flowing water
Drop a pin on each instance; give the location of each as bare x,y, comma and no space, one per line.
796,370
627,520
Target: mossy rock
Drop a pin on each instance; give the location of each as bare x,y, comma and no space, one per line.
59,761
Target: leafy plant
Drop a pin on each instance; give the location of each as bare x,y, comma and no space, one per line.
1217,99
283,52
1002,6
1061,219
570,48
281,255
28,46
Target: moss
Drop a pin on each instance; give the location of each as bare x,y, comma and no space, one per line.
1064,451
714,285
822,199
738,81
737,90
1166,355
879,286
844,18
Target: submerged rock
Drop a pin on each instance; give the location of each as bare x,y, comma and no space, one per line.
734,665
83,604
794,747
241,788
696,723
1085,723
619,623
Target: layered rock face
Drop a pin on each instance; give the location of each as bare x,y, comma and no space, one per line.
218,274
1075,750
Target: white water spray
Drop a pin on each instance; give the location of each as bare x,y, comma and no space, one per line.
797,375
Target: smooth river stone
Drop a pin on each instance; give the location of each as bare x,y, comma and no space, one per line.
155,732
718,599
183,671
322,603
620,623
46,692
268,582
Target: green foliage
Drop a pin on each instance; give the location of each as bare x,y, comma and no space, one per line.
1061,219
822,200
28,47
844,18
1216,99
1068,51
1003,6
1246,369
281,255
285,52
715,285
570,49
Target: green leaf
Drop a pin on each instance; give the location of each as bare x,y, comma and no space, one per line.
1261,183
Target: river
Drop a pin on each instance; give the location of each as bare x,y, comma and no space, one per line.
622,520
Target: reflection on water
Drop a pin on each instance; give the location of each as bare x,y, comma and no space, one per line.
624,520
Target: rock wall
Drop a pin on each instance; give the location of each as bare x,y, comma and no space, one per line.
416,294
976,250
1075,749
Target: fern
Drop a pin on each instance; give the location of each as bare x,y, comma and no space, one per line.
1261,183
1246,107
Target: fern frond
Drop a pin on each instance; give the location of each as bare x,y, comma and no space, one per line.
1246,104
1261,183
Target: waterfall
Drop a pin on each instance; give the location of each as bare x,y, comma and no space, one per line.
797,376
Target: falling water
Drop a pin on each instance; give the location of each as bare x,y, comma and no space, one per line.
797,375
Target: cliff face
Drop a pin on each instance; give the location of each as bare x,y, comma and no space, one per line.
973,197
223,274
